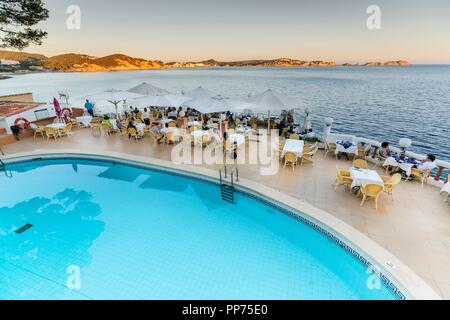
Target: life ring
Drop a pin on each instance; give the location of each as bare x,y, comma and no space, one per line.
66,111
25,123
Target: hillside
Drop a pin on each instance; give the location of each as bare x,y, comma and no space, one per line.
73,62
20,56
84,63
282,62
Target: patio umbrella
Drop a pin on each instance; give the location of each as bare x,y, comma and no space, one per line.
112,96
307,123
146,89
218,104
57,106
171,100
271,100
199,92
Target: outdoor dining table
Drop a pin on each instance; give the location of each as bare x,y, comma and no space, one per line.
362,177
294,146
194,124
140,127
57,126
346,147
238,139
85,120
446,190
199,134
404,164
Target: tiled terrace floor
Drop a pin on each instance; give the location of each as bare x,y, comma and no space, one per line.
415,227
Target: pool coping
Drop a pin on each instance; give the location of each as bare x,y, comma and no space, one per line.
400,276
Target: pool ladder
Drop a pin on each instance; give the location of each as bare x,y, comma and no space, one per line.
227,188
3,168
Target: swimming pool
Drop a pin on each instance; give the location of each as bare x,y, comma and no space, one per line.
129,232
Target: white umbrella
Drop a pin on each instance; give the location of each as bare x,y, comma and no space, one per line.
146,89
199,92
112,96
171,100
218,104
307,123
271,100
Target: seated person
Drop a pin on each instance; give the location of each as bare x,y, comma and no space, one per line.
310,134
131,125
106,121
385,150
428,163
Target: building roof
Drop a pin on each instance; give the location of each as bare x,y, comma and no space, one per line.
11,108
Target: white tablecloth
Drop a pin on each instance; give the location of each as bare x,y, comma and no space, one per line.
239,139
446,188
199,133
140,127
85,121
362,177
57,126
404,166
294,146
194,124
114,124
350,150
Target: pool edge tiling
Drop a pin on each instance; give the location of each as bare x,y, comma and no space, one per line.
400,280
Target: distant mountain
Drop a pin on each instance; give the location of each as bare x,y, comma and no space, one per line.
282,62
84,63
74,62
20,56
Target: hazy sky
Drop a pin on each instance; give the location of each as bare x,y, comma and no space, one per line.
415,30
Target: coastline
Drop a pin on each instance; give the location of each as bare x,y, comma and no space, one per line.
10,75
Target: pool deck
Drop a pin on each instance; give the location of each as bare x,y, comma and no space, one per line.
415,227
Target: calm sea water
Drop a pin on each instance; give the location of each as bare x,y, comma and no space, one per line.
380,103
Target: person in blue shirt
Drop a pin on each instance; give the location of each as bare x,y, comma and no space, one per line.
89,107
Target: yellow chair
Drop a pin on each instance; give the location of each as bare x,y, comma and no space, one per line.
371,191
294,137
390,183
50,133
290,158
133,134
330,147
68,128
170,138
107,128
308,156
343,178
279,150
360,163
420,175
361,153
205,141
95,127
123,131
172,125
39,130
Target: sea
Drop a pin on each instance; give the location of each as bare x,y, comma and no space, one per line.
382,103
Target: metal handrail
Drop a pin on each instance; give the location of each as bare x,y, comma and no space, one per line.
234,172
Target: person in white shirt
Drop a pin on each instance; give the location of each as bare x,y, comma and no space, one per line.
428,163
146,117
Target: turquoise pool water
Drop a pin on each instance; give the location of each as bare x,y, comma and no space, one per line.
134,233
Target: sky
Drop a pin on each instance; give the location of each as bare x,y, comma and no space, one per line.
229,30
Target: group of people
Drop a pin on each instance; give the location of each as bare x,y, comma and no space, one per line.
428,163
